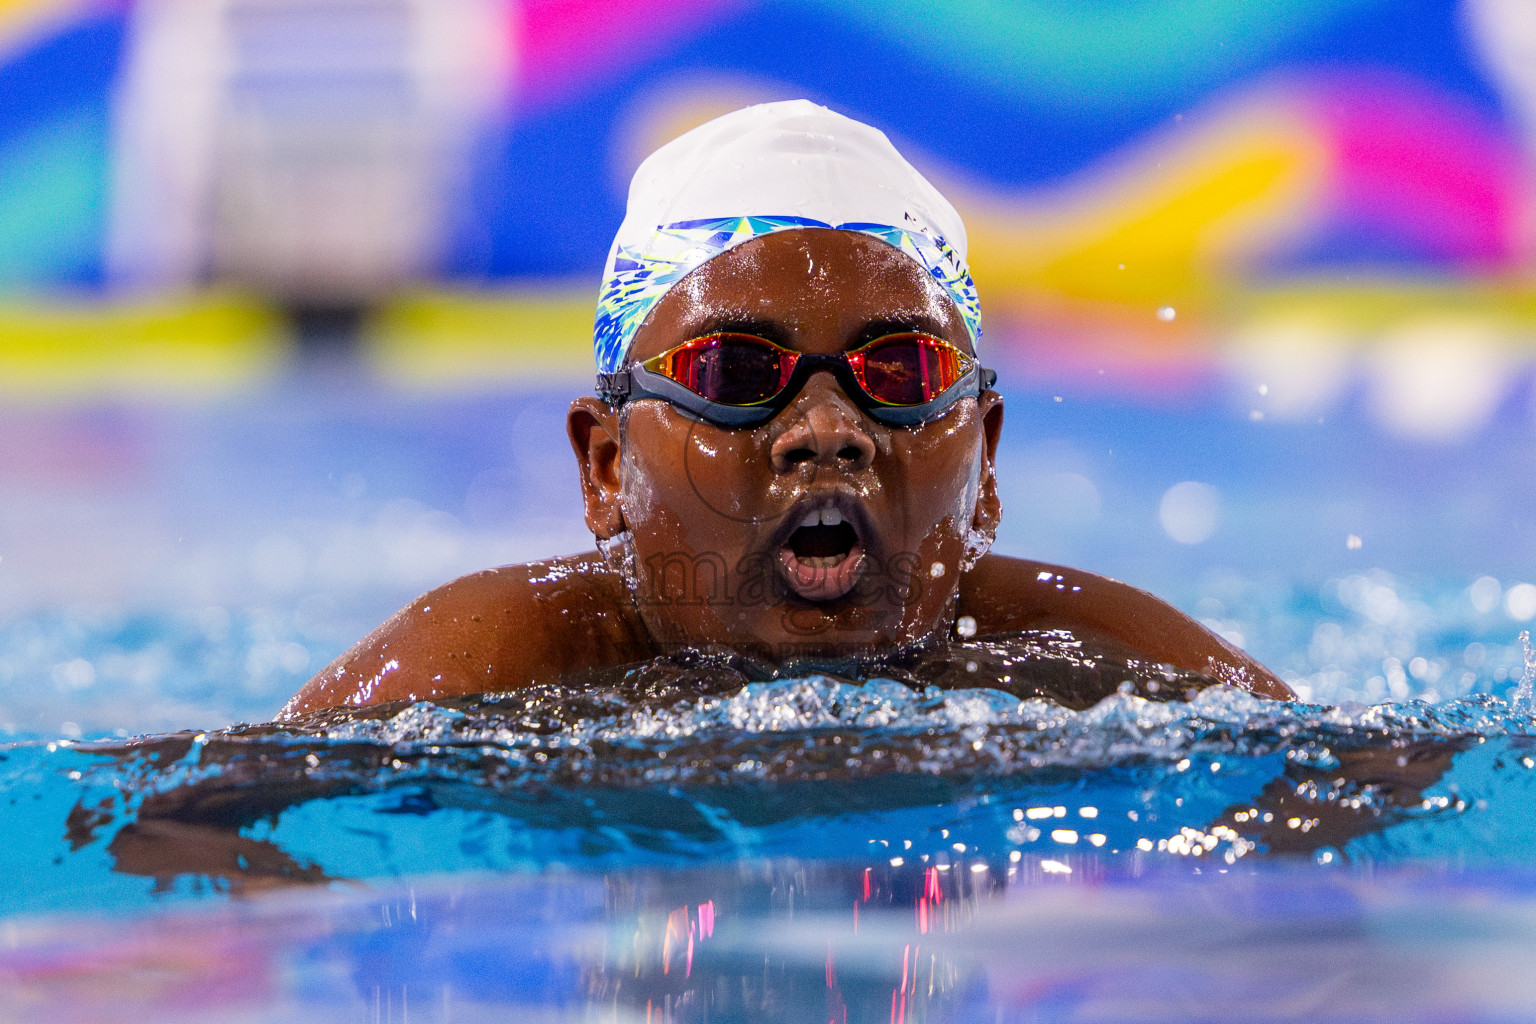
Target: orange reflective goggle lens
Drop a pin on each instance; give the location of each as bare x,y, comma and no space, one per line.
907,369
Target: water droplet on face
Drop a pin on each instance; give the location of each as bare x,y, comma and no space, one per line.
1166,314
965,626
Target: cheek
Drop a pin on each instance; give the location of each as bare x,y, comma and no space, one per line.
690,482
943,462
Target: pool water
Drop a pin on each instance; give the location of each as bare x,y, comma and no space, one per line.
687,844
791,846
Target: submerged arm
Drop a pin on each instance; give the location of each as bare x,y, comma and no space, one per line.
1004,594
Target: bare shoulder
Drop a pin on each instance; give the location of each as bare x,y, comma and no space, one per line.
1004,594
501,629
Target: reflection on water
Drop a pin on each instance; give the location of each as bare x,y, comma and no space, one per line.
790,941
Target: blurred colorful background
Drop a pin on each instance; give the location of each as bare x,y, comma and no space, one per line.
1157,190
293,293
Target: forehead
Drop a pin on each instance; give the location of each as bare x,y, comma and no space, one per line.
816,284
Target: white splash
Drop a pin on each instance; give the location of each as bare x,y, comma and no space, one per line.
1522,699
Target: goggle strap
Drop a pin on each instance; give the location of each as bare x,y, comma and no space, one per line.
645,383
614,388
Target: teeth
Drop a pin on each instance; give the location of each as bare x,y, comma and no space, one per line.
822,517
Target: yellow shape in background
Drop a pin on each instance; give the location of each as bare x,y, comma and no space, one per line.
446,340
201,347
1185,213
22,21
1172,224
17,11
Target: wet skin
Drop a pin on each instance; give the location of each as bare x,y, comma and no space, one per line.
710,521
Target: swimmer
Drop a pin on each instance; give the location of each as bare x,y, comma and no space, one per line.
789,464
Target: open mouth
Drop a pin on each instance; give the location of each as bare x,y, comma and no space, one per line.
822,558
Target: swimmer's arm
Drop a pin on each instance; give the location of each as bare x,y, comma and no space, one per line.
1004,594
502,629
439,645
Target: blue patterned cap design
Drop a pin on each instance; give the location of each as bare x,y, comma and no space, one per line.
640,275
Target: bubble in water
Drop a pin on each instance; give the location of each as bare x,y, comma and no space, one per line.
1520,602
1485,594
1190,511
1166,314
965,626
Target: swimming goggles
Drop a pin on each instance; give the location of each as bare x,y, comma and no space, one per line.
742,380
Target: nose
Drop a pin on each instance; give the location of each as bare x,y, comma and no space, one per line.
825,429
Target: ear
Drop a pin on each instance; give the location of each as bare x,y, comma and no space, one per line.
593,428
989,507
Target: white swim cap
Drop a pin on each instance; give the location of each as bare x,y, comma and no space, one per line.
772,167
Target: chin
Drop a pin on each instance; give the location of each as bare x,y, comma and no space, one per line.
839,631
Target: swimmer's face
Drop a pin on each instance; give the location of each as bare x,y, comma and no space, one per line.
824,532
